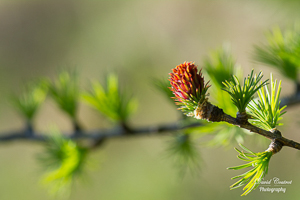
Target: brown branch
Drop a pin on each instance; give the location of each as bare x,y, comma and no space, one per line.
100,134
213,113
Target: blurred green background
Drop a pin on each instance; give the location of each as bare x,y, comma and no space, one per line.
138,40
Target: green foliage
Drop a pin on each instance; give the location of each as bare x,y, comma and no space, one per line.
64,160
242,95
282,51
31,99
189,106
111,102
220,65
65,92
253,177
185,153
226,134
266,112
163,85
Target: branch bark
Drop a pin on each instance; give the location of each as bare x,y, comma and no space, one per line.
118,131
213,113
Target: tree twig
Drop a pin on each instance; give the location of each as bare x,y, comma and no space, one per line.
212,113
118,131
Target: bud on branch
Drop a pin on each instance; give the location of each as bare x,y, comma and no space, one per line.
188,87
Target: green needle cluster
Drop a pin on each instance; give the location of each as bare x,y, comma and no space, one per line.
110,101
220,65
64,160
185,153
31,99
266,111
65,92
242,95
282,51
252,178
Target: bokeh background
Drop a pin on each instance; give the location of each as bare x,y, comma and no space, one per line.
138,40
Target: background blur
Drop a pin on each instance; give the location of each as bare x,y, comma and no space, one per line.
138,40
